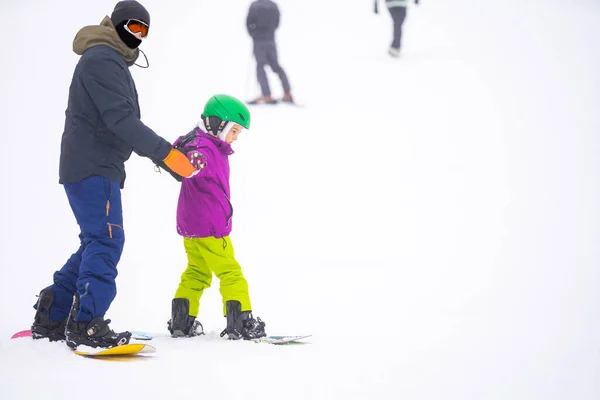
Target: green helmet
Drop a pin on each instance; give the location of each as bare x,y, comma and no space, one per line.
221,108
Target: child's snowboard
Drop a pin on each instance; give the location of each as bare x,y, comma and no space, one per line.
282,339
267,339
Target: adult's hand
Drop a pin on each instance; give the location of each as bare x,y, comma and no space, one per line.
180,164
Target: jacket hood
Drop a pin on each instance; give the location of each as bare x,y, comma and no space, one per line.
103,34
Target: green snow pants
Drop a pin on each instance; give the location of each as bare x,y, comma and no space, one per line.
207,256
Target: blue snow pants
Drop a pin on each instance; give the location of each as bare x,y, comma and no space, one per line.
91,271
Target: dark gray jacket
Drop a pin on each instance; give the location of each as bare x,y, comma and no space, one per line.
102,125
263,20
398,3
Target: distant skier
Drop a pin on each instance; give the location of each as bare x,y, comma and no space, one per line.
262,22
397,10
204,214
102,128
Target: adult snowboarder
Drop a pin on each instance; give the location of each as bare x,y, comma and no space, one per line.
262,22
397,9
102,128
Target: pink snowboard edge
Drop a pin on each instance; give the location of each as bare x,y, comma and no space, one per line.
21,334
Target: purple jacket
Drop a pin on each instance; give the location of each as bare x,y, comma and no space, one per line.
204,208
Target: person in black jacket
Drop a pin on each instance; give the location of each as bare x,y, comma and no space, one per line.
262,22
102,128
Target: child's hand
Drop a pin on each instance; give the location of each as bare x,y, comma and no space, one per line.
197,159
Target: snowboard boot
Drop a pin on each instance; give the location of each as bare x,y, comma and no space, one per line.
263,100
287,98
43,327
181,323
241,324
94,333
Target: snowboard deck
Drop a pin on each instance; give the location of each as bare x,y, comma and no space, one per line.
131,349
282,339
140,335
273,339
22,334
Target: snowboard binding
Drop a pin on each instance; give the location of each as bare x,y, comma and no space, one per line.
94,333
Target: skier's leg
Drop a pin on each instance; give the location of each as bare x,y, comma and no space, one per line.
276,67
195,278
260,53
218,253
398,15
96,203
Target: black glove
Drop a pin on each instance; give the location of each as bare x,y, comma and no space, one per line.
158,164
161,164
376,9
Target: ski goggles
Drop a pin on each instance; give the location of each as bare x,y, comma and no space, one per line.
137,28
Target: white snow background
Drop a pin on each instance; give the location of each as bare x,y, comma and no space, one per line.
432,221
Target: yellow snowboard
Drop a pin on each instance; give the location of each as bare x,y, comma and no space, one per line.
131,349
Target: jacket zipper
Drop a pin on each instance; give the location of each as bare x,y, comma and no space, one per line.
230,207
228,202
110,226
110,231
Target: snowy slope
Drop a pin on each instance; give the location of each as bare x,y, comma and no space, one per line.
433,221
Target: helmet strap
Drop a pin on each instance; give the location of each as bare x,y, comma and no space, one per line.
214,125
225,131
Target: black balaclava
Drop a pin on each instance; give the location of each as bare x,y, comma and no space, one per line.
124,11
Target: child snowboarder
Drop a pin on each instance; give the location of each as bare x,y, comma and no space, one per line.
204,214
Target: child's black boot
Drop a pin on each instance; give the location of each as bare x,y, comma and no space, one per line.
241,324
181,323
